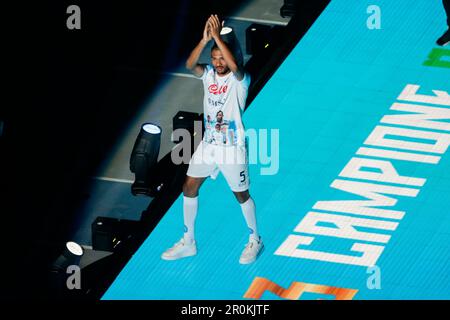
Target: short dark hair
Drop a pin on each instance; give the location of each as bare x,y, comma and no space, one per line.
235,50
215,47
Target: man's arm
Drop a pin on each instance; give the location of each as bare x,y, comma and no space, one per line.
192,62
215,27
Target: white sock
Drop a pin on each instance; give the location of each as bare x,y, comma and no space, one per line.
190,207
249,211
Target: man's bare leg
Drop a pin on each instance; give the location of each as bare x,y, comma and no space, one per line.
191,186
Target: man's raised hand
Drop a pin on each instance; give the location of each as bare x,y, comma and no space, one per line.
215,25
207,33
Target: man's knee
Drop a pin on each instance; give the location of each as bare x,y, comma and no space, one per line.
242,196
190,187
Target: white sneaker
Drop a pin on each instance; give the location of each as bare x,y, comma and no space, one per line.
181,249
252,250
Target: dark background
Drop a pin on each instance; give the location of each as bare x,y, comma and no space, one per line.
62,110
68,95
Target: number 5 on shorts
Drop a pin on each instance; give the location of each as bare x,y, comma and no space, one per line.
242,174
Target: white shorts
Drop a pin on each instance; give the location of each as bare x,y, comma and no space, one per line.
209,159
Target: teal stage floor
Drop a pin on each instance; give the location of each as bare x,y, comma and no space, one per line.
358,205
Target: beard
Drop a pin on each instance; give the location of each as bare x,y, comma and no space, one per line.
222,70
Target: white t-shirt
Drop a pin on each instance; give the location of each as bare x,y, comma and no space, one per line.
223,104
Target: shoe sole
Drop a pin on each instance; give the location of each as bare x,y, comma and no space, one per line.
178,257
251,261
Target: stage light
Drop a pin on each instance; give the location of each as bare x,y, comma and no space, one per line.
151,128
74,248
226,30
71,255
229,36
143,159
